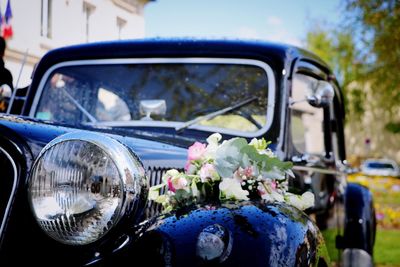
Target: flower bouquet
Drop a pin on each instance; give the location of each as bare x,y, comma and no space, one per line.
233,170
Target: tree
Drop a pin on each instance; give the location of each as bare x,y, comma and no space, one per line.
378,26
338,49
364,51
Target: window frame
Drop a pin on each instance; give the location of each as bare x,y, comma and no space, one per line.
311,69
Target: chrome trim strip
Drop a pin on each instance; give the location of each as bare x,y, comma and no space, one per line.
123,244
6,212
284,102
239,61
316,169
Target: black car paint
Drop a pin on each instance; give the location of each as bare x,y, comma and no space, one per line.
24,137
360,224
260,234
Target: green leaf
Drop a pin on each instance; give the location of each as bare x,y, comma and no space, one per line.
182,195
229,156
253,154
266,163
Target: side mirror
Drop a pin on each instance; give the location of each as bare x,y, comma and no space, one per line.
149,107
322,95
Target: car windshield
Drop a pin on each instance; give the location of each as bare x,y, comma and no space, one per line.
161,95
379,165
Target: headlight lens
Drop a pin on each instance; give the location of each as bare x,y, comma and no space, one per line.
82,184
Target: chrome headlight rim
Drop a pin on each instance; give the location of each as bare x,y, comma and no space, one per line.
130,169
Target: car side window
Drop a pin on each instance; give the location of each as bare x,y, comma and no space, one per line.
306,120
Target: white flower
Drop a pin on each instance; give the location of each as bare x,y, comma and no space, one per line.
170,174
154,191
214,139
308,200
277,197
213,143
302,202
232,189
153,194
294,200
271,196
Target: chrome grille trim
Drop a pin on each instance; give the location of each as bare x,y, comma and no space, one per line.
154,175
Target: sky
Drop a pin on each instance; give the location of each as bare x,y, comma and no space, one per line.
284,21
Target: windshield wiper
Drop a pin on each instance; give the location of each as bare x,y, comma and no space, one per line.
216,113
79,106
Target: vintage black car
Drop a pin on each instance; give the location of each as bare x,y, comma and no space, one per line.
102,122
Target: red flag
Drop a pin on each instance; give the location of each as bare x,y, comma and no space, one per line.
7,28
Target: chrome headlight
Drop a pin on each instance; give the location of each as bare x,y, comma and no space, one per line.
82,184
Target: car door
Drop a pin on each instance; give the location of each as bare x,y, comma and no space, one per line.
315,144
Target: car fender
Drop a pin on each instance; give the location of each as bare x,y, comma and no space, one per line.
15,157
360,222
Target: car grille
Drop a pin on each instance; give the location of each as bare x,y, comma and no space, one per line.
155,175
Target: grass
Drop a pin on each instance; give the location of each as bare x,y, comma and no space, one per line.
386,193
386,250
387,199
329,237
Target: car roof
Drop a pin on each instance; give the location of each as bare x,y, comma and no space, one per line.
176,48
278,56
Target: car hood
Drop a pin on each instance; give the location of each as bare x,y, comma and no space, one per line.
36,135
256,234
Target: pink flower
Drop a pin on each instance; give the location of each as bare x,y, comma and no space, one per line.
208,172
273,185
179,183
380,216
248,171
187,166
170,185
196,151
175,183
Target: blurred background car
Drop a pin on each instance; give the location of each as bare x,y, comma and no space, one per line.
380,167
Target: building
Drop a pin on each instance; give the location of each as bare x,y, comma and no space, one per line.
41,25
